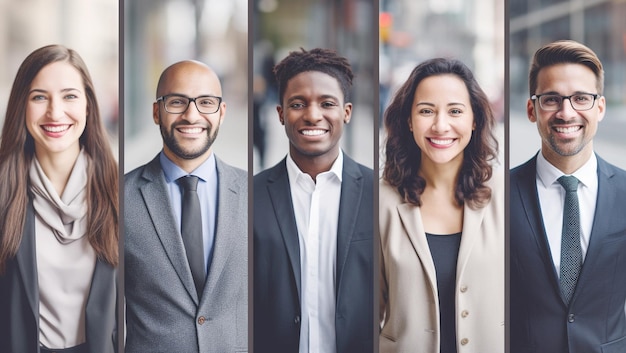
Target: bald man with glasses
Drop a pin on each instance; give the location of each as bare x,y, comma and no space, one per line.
185,225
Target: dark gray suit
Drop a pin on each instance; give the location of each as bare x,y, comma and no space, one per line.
277,263
163,311
594,321
19,301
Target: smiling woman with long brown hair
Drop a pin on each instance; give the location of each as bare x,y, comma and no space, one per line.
59,211
441,217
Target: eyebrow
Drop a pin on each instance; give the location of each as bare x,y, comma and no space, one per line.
432,104
323,96
45,91
559,94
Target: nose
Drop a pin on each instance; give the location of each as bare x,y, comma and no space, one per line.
313,114
55,109
192,114
441,123
566,110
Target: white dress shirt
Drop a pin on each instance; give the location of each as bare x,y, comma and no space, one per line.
316,208
552,200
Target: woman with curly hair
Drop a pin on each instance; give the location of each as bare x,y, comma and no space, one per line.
59,211
441,217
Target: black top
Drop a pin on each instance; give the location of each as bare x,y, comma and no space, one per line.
445,251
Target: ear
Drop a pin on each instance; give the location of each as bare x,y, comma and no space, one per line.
347,110
222,112
531,112
601,107
155,112
281,117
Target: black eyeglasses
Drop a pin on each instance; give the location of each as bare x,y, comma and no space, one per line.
177,104
554,102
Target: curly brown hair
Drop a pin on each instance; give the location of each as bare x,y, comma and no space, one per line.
403,155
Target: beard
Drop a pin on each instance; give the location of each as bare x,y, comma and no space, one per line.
182,152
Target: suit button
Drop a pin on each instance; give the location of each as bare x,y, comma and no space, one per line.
463,289
570,318
464,313
464,341
297,320
201,320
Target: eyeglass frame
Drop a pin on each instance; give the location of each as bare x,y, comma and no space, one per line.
164,97
535,97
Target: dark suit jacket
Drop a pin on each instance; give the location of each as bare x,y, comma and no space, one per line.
19,301
594,321
163,310
277,262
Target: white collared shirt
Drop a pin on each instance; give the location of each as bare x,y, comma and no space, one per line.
316,208
552,200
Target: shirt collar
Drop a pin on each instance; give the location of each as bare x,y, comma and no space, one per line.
294,172
205,171
548,174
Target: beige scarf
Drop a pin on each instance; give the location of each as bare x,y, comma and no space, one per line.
65,215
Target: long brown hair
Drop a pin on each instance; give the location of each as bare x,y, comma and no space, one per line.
17,149
403,156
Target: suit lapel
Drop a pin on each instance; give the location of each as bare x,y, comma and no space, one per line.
156,199
527,190
27,260
349,205
412,222
606,205
472,221
280,195
228,205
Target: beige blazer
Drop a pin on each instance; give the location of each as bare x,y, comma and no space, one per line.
409,310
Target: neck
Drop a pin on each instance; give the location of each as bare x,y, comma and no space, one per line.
58,166
188,165
441,176
314,165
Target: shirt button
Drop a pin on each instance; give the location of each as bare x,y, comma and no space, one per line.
296,320
570,318
463,289
464,341
464,313
201,320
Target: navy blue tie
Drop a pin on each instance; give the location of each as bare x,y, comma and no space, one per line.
191,230
571,253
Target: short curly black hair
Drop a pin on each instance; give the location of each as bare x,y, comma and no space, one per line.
318,59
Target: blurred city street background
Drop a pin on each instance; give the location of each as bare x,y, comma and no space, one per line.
600,25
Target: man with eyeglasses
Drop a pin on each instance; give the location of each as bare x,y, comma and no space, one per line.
185,227
568,230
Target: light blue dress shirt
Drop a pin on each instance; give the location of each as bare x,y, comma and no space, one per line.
207,193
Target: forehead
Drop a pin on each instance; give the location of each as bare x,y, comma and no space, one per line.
192,81
443,87
566,78
58,74
313,83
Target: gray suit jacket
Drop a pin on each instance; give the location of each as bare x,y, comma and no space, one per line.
163,311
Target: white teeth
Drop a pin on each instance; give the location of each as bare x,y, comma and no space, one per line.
313,132
441,142
567,130
190,130
56,128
